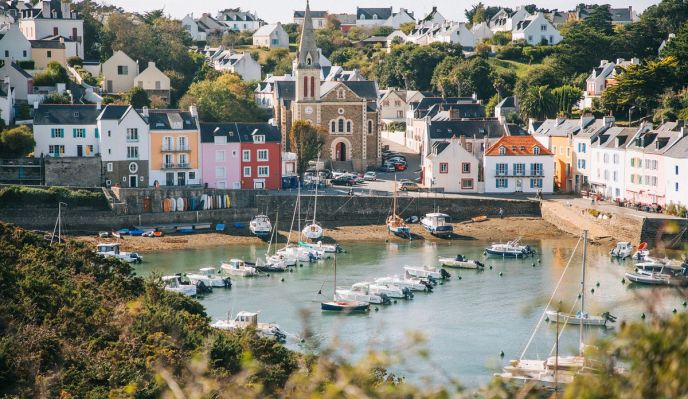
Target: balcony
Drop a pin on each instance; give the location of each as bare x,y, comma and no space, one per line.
166,166
175,148
519,174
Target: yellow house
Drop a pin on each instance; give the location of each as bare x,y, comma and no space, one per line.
562,148
175,144
43,52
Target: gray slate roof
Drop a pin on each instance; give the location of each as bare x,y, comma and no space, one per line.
314,14
679,150
114,112
237,132
66,114
158,119
382,13
439,130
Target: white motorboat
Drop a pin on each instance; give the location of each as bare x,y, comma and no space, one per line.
301,254
404,282
656,272
237,267
288,261
622,250
209,277
113,251
579,318
437,224
260,226
174,284
312,231
391,291
319,246
642,253
343,294
426,272
245,320
511,249
462,262
271,265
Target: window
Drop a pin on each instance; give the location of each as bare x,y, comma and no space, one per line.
502,169
157,85
606,158
535,183
676,170
519,169
543,27
348,126
397,103
80,133
536,150
219,172
219,155
263,171
262,155
246,155
370,127
536,169
654,181
122,70
469,147
192,175
616,159
632,162
676,186
444,167
333,127
341,94
247,171
56,150
341,125
109,166
7,54
502,183
259,138
132,134
654,164
181,143
606,175
466,167
466,184
502,150
59,133
132,152
568,151
615,176
183,160
582,163
49,54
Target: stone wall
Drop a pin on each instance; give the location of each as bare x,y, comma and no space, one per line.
73,171
137,200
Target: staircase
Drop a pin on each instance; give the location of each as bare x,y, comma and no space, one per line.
347,166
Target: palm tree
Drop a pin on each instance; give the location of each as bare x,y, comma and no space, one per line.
539,103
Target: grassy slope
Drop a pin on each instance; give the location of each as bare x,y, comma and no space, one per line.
519,68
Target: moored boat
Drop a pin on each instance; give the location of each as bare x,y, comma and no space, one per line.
510,249
395,224
237,267
461,262
260,226
405,282
245,320
113,251
389,290
343,294
343,306
173,283
579,318
622,250
437,224
643,252
426,272
319,246
209,277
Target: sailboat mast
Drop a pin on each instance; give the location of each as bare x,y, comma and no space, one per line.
394,207
317,182
334,290
585,255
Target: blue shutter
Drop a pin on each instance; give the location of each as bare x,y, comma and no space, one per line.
532,183
506,183
52,133
74,132
97,135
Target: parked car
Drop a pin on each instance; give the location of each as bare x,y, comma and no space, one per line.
343,181
396,159
409,186
400,167
387,168
370,176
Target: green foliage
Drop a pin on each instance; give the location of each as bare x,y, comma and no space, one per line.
396,127
491,104
224,99
407,27
501,38
277,62
87,77
539,103
307,141
12,196
57,98
52,75
75,61
676,210
26,64
16,142
479,13
24,112
567,96
137,97
457,77
581,49
678,49
343,55
412,67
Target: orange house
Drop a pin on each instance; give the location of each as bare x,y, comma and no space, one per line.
174,147
562,147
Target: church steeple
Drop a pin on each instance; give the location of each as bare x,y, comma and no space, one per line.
308,56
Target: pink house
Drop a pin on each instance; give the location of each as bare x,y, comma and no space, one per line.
645,167
221,155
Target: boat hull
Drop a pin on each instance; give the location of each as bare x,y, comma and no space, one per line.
575,320
461,264
505,254
439,231
344,306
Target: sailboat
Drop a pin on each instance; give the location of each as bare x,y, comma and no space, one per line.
556,371
314,231
344,306
395,224
58,224
272,263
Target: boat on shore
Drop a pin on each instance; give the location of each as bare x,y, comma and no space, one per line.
479,219
237,267
343,306
437,224
260,226
461,262
395,224
510,249
642,253
209,277
622,250
244,320
113,251
173,283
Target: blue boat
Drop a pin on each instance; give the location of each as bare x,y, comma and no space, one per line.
136,232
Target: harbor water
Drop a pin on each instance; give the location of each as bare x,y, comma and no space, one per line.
464,324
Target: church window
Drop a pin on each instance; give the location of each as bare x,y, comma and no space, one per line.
312,86
309,60
333,127
341,125
305,86
370,127
348,126
341,94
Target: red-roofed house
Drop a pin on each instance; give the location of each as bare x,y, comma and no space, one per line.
518,164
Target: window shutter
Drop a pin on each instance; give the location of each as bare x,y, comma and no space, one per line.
74,132
532,183
97,135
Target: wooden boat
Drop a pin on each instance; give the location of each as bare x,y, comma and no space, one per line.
395,224
479,219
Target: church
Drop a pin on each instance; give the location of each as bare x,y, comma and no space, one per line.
346,110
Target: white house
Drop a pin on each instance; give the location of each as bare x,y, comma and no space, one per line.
20,80
676,171
6,102
197,32
433,18
14,46
319,18
239,21
601,77
271,36
608,160
452,167
397,19
265,91
582,148
124,146
503,21
66,130
507,106
454,33
154,82
240,63
518,164
367,17
50,18
119,72
536,29
481,32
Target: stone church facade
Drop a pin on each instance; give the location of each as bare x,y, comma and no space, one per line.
346,110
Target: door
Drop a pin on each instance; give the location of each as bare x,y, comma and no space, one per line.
133,181
169,179
259,184
519,185
181,178
79,151
340,152
108,86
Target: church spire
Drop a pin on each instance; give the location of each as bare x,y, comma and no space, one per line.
308,55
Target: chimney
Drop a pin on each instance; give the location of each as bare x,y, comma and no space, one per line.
99,105
683,132
608,121
61,40
194,111
66,9
603,63
151,64
144,112
620,61
46,9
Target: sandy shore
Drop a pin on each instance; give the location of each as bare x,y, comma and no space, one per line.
494,229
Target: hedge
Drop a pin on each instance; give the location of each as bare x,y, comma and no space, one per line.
22,196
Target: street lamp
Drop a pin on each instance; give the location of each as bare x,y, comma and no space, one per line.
630,112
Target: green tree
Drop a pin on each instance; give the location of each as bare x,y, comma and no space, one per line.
411,66
539,103
581,49
57,98
567,97
137,97
16,142
225,99
678,49
306,141
53,74
600,19
278,61
407,27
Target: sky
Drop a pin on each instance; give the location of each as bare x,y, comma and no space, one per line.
282,10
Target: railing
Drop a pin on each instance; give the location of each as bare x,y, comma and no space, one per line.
524,174
175,148
132,140
166,165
